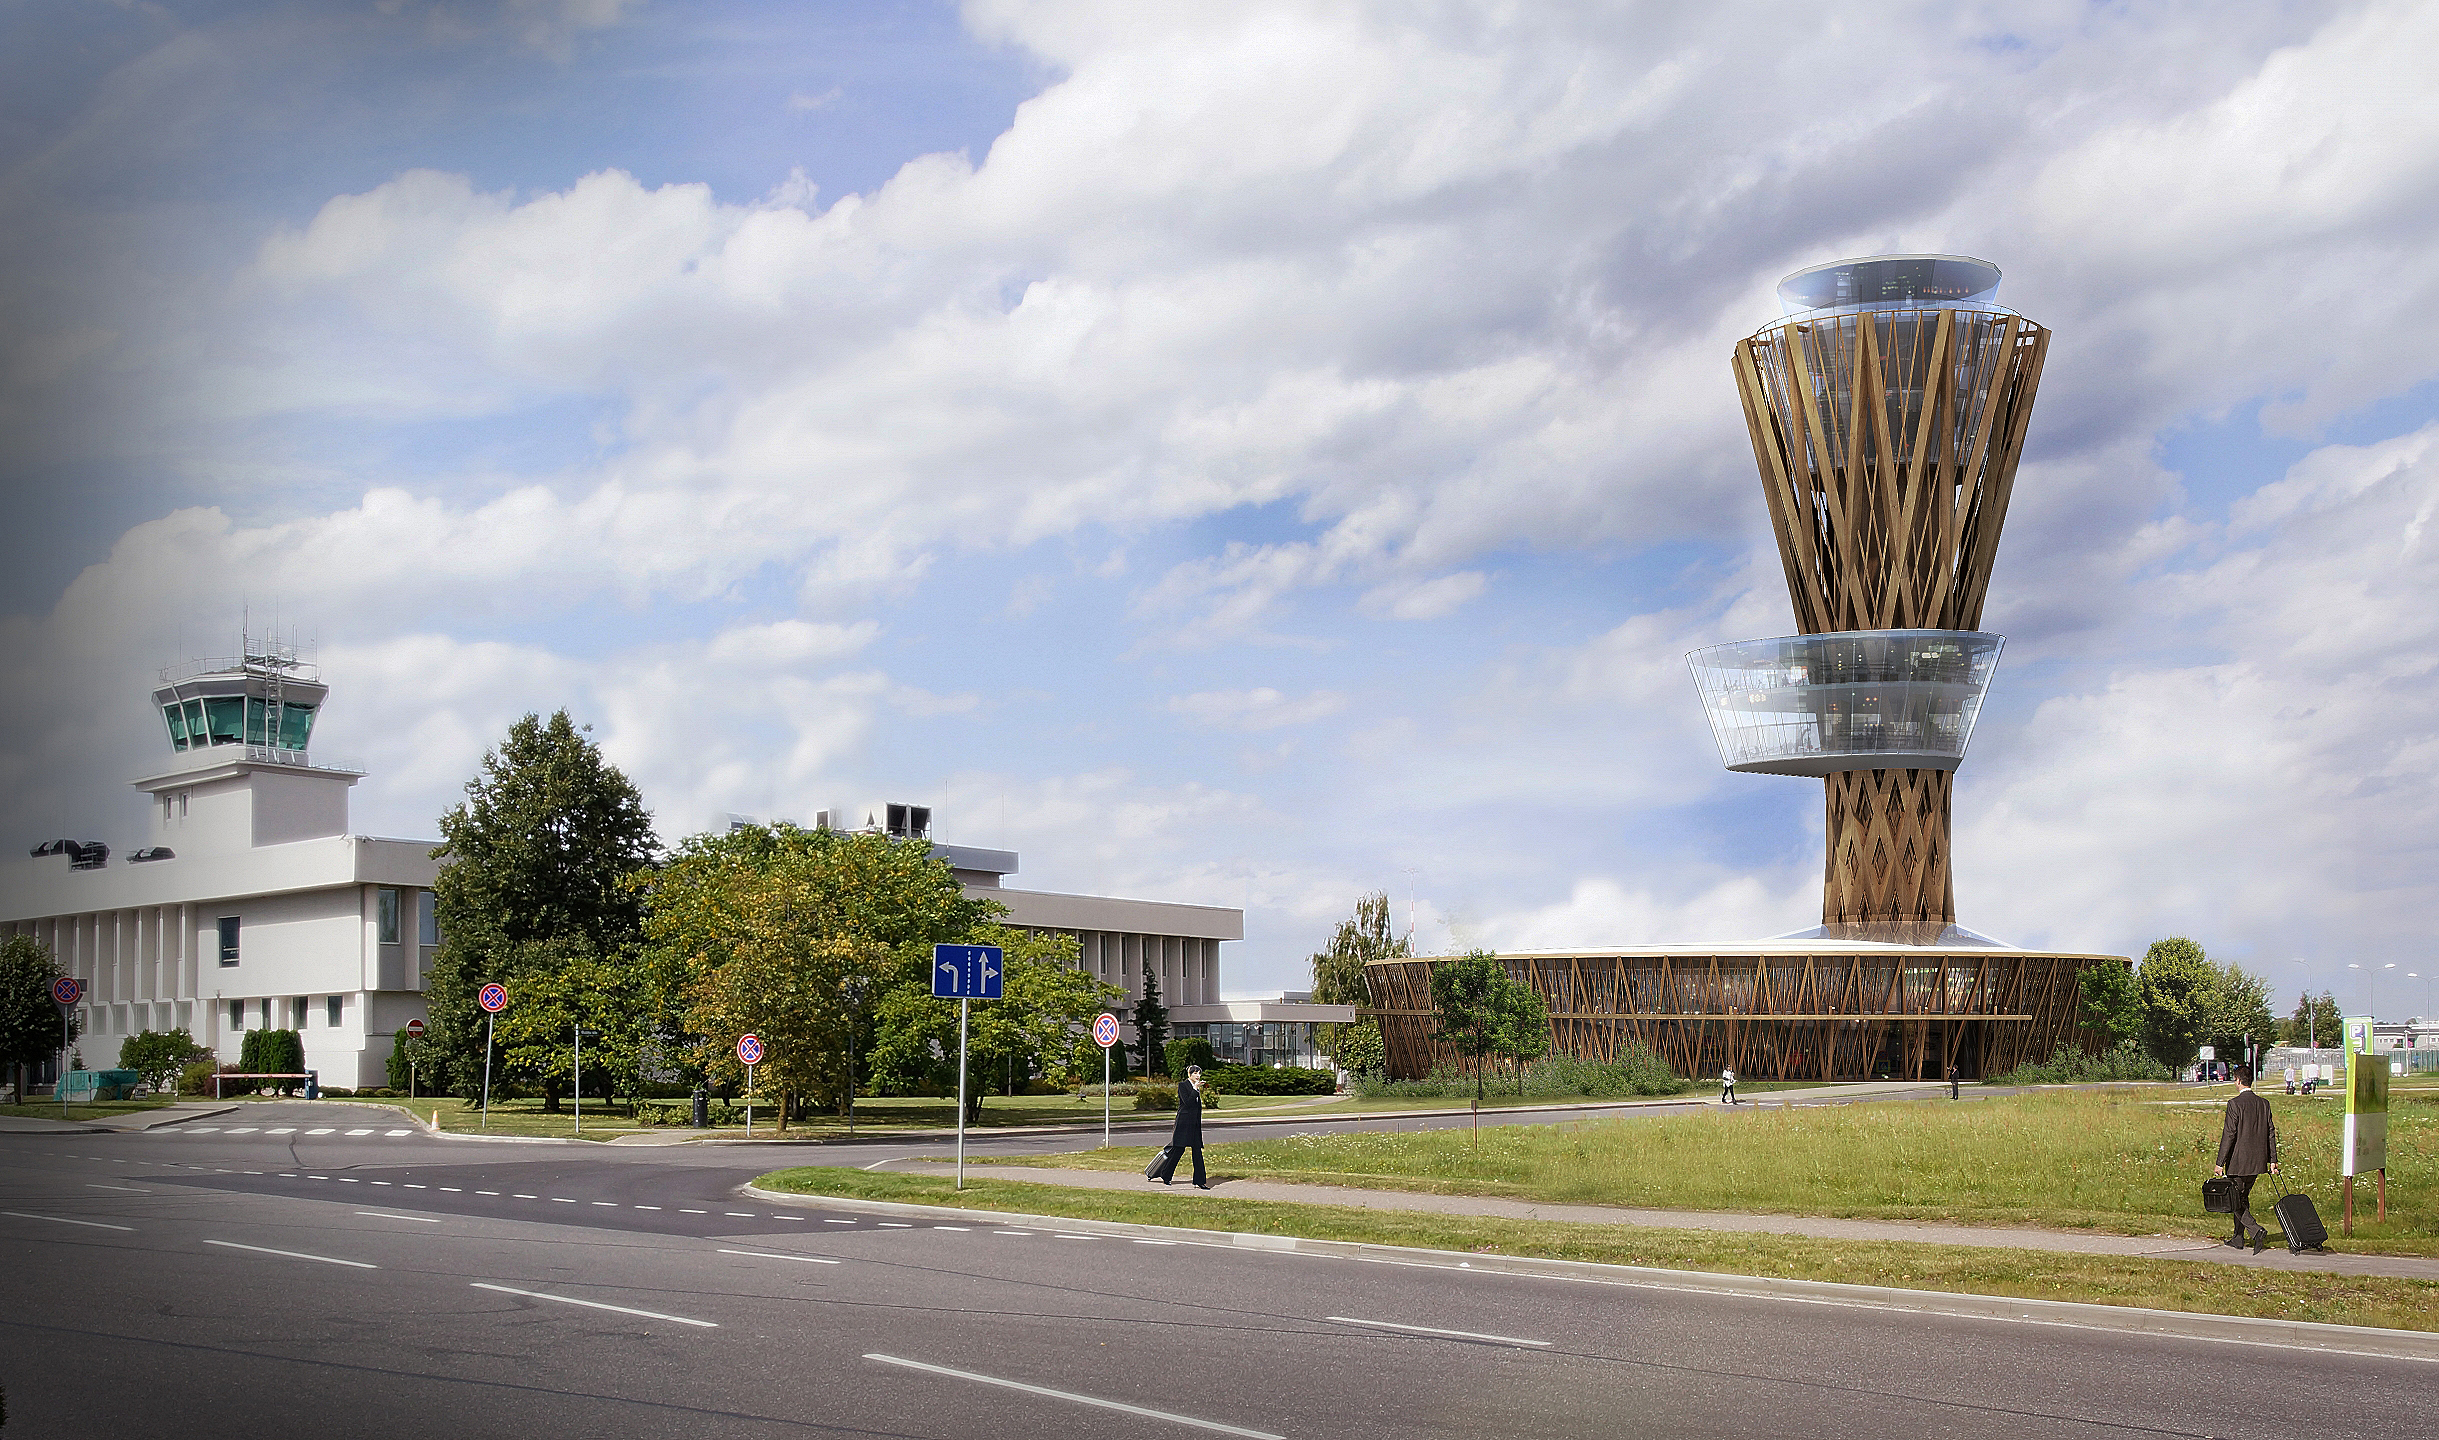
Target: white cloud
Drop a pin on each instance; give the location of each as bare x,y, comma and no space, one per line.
1257,709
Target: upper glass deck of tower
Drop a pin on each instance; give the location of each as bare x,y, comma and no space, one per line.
1893,282
262,707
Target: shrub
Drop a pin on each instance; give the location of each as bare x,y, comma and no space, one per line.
1262,1080
196,1078
1149,1096
2126,1061
1636,1071
1192,1050
341,1092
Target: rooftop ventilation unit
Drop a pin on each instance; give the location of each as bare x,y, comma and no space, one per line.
910,822
152,852
88,855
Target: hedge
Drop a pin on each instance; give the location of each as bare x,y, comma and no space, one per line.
1263,1080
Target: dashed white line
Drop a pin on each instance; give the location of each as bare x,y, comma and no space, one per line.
647,1207
694,1212
412,1187
1071,1237
495,1194
243,1130
894,1225
1160,1242
596,1305
806,1259
293,1254
961,1229
1072,1397
64,1220
451,1190
555,1199
838,1222
738,1214
349,1180
1431,1330
130,1189
283,1130
611,1203
385,1215
395,1133
1012,1232
325,1130
199,1130
352,1133
381,1182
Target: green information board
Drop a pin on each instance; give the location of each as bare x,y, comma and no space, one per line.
2366,1099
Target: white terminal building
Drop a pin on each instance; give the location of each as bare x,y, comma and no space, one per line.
250,905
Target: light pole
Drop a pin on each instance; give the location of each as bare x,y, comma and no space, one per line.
2371,981
582,1035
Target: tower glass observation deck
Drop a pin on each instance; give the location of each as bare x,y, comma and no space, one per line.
1856,700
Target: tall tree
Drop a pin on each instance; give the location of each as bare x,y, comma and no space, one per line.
1152,1026
536,875
2177,981
30,1025
1361,938
1480,1012
158,1055
2112,1002
1041,1024
2316,1021
2237,1006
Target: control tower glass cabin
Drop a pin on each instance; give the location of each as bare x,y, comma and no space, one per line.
257,706
1887,408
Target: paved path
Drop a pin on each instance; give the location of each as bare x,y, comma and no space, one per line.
2162,1247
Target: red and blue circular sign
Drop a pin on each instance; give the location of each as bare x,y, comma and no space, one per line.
492,997
1105,1030
749,1049
67,990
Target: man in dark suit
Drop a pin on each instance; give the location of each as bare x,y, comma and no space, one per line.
1188,1131
2248,1146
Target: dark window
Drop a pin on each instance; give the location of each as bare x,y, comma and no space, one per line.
176,715
334,1012
226,718
388,907
237,1014
228,939
428,919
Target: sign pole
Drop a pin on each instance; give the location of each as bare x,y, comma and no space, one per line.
488,1022
749,1102
962,1003
1105,1097
579,1077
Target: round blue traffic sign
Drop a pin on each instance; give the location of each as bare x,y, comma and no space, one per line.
749,1049
1105,1030
492,997
67,990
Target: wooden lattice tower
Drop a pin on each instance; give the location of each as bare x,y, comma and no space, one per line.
1888,440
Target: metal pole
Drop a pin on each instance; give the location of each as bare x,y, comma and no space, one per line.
579,1077
749,1102
59,1087
961,1005
1105,1097
488,1020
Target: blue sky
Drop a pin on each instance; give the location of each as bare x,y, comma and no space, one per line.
1249,455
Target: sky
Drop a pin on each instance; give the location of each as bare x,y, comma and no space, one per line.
1251,455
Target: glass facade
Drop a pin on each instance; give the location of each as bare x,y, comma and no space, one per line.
1853,700
1260,1042
236,720
1891,282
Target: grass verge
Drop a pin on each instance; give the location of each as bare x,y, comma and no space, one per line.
2191,1286
103,1110
2113,1161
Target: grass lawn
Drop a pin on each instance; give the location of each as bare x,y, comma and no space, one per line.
103,1110
2101,1160
873,1115
2104,1280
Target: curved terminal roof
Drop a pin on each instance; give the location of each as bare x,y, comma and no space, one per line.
1892,282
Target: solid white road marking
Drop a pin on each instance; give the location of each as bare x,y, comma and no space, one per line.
64,1220
806,1259
385,1215
1071,1396
596,1305
877,1164
130,1189
292,1254
1428,1330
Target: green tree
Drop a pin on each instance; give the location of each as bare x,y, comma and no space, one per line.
1152,1026
1042,1023
2236,1006
773,930
2176,982
1338,968
158,1055
1480,1012
560,983
2316,1021
538,860
30,1027
2112,1002
1524,1028
1360,1048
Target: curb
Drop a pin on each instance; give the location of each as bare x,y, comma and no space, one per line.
2358,1340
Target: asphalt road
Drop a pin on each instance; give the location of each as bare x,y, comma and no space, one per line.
269,1285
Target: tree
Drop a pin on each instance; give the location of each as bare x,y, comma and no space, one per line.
775,929
556,985
30,1026
2315,1021
2176,982
1042,1020
158,1055
539,857
1360,1048
1524,1028
1362,938
1480,1012
2237,1006
1152,1026
2112,1002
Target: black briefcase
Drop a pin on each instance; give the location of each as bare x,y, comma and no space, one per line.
2219,1195
1160,1158
2301,1222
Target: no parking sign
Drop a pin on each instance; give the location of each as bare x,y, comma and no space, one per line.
67,990
749,1049
492,997
1105,1030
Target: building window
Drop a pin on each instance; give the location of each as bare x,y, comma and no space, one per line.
296,1013
237,1014
427,918
387,901
334,1008
228,939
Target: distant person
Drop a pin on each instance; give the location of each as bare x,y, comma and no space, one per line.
1727,1087
2248,1146
1188,1131
1952,1082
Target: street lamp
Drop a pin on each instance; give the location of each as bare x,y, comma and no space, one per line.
2371,980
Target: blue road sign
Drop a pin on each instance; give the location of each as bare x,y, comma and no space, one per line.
967,972
68,990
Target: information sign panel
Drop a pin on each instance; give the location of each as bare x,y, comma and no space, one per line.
2366,1137
967,972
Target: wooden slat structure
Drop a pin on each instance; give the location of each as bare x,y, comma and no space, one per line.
1888,442
1778,1011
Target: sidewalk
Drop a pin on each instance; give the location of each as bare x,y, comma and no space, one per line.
2157,1247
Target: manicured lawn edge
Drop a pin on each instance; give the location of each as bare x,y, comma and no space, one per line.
2181,1286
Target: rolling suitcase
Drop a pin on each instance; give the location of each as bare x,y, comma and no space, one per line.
2302,1224
1152,1171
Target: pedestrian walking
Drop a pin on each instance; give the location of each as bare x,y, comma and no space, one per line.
1952,1082
2248,1146
1727,1087
1187,1133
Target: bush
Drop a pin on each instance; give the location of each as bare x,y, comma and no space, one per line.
2074,1067
1152,1095
1189,1051
1636,1071
1262,1080
196,1078
341,1092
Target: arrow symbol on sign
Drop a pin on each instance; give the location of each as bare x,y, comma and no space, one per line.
951,969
